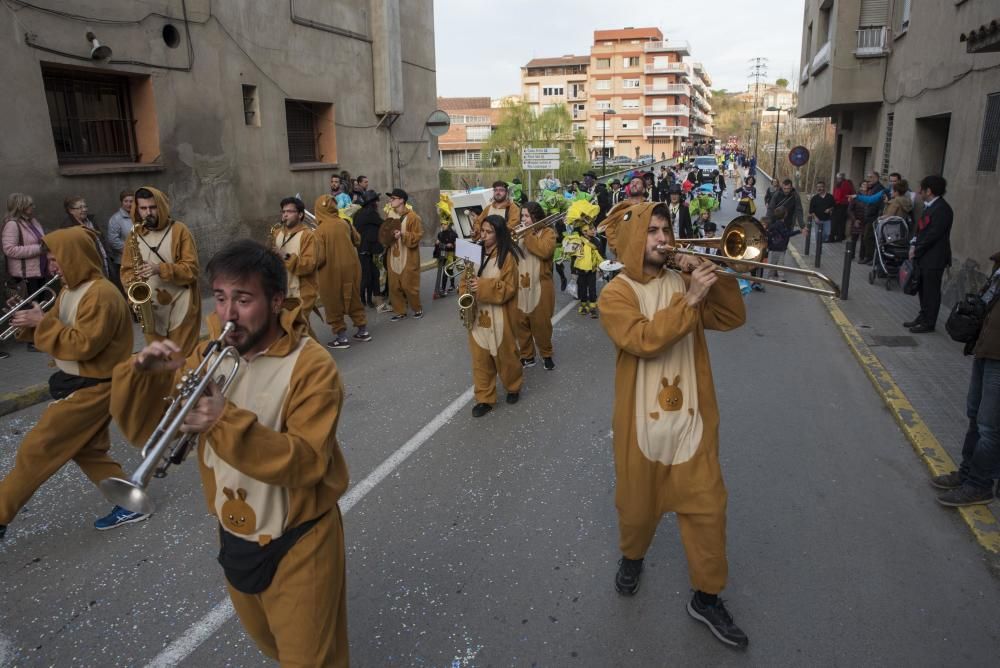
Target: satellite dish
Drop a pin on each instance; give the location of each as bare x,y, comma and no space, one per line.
438,123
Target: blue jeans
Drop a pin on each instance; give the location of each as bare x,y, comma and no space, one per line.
825,224
981,450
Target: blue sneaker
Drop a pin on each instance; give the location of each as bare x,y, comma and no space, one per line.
117,517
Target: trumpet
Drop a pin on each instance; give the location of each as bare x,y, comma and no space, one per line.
521,231
167,446
741,243
45,306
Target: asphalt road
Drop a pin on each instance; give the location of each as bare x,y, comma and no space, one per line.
495,544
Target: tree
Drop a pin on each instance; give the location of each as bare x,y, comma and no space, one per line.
783,83
519,127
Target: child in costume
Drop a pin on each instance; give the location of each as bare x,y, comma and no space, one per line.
586,271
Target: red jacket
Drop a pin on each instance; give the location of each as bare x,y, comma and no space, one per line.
841,192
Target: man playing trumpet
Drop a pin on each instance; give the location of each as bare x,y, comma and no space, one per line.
666,418
270,464
168,262
87,332
295,244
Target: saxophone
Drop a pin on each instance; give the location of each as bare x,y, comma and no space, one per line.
467,308
272,241
140,295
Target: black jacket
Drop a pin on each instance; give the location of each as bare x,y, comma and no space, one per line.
684,226
792,204
933,245
366,222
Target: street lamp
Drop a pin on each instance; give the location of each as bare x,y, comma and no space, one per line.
604,141
777,128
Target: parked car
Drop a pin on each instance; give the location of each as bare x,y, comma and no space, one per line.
645,160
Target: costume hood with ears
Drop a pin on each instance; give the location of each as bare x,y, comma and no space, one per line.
162,208
75,249
326,209
626,231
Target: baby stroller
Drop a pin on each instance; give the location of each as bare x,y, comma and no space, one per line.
892,247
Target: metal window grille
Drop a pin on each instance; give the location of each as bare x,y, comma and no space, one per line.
989,147
300,119
249,104
887,147
91,117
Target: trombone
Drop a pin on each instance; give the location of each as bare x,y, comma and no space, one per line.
45,305
742,242
166,445
521,231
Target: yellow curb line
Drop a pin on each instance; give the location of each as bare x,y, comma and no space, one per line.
981,521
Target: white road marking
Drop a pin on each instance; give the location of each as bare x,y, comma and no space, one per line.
207,626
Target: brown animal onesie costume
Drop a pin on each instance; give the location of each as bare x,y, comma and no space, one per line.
536,296
508,210
271,467
176,299
491,339
666,419
339,274
88,331
403,264
298,249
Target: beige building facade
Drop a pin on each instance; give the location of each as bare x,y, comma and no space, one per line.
908,93
225,106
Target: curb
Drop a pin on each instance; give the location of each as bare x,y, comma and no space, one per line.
980,519
11,402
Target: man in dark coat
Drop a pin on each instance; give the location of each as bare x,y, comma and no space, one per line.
367,222
931,252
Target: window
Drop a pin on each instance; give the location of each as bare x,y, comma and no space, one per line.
887,146
603,104
311,134
603,63
989,146
579,111
630,104
251,108
477,133
630,83
552,91
630,61
603,84
533,93
901,16
463,119
630,125
91,117
579,127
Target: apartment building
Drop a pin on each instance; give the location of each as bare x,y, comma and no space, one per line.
913,86
473,119
548,82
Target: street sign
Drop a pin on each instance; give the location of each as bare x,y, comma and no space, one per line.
540,158
438,123
538,153
798,156
540,164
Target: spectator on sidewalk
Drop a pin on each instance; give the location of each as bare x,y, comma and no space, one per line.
821,208
778,236
788,199
900,205
27,261
772,189
856,218
874,200
76,214
119,227
842,190
360,188
972,483
931,252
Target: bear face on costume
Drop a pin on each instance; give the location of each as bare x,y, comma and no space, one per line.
484,319
525,280
670,397
238,516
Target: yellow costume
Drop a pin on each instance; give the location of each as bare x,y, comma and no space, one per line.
298,250
88,331
270,466
491,339
339,274
666,419
536,296
404,264
176,298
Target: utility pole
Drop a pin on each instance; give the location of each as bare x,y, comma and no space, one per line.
758,71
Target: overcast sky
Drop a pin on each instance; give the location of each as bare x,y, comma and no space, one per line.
481,45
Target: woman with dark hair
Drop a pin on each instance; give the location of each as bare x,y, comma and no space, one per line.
536,298
491,337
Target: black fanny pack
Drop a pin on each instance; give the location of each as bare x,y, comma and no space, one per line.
250,567
62,384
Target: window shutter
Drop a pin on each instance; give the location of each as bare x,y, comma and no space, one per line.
990,144
874,13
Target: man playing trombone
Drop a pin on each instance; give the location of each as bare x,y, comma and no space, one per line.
270,464
87,331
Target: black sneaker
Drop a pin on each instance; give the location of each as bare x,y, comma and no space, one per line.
951,480
718,620
479,410
398,317
548,363
3,531
966,495
627,577
512,397
4,354
529,362
417,315
911,323
363,335
339,344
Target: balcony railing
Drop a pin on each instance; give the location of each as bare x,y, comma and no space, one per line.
821,59
654,47
669,110
576,97
665,131
669,89
873,42
669,68
700,116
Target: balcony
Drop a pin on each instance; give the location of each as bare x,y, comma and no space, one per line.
873,42
663,47
669,89
665,131
576,97
670,110
821,59
700,130
669,68
804,79
704,118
